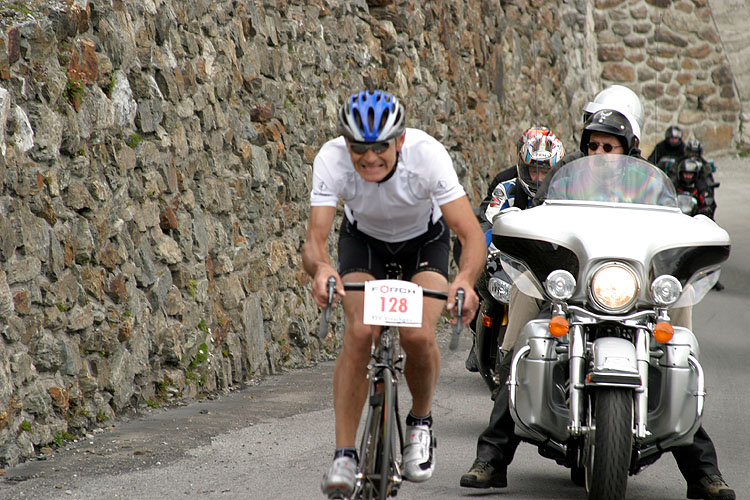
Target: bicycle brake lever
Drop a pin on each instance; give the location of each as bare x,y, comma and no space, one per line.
459,323
323,331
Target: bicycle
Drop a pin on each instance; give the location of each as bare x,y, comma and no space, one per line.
379,470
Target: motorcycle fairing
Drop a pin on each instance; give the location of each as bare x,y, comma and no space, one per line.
562,235
684,262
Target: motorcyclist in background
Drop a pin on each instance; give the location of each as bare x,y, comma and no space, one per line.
694,149
700,184
607,131
539,150
671,147
689,180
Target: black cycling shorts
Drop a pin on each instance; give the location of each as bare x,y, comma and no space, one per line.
359,252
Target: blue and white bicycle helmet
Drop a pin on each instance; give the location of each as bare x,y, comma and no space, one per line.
372,116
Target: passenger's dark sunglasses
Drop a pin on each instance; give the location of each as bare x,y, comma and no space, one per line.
363,147
593,146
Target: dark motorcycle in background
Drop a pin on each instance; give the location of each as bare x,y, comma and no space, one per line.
688,202
602,382
493,288
666,164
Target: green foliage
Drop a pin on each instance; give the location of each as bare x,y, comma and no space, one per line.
26,426
192,285
200,357
110,88
20,7
60,438
75,88
101,417
192,368
203,327
133,140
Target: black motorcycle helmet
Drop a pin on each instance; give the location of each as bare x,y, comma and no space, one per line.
612,122
673,131
687,172
673,137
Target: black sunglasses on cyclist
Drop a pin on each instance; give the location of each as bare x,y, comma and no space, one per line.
363,147
593,146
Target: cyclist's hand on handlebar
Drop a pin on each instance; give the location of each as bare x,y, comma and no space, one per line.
471,302
320,285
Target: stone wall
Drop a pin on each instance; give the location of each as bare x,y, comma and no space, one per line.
155,167
670,53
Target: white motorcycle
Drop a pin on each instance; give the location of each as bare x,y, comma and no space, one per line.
604,382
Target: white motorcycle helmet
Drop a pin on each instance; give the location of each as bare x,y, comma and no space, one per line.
621,99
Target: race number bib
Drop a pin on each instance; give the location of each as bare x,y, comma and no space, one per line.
393,303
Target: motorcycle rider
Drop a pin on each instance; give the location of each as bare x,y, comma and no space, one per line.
704,183
539,150
671,147
689,181
607,131
694,149
411,173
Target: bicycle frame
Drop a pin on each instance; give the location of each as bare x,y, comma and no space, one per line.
379,475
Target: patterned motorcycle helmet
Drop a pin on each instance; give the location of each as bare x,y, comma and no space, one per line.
539,152
371,116
693,147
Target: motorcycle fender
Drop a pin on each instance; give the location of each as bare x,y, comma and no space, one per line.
615,364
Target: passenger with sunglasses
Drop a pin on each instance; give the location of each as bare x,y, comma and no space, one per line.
606,131
401,198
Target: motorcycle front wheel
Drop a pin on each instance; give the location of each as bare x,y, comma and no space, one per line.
609,444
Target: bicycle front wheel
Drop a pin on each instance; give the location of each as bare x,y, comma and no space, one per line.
378,464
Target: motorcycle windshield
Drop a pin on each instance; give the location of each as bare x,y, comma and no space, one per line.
609,178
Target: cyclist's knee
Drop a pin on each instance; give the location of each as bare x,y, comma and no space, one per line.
357,335
418,341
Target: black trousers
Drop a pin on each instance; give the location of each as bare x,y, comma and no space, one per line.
497,444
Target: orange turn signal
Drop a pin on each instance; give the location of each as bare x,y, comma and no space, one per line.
486,320
663,332
558,326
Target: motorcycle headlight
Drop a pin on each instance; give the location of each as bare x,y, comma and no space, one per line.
614,287
665,290
499,289
560,284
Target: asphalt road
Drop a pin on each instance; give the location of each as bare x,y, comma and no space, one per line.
274,439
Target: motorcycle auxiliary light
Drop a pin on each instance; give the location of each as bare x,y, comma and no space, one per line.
560,284
665,290
499,289
614,287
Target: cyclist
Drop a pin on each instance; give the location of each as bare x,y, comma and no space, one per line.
401,195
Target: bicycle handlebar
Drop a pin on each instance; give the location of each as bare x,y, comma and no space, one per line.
360,287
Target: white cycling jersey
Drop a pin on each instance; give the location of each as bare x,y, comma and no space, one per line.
399,208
